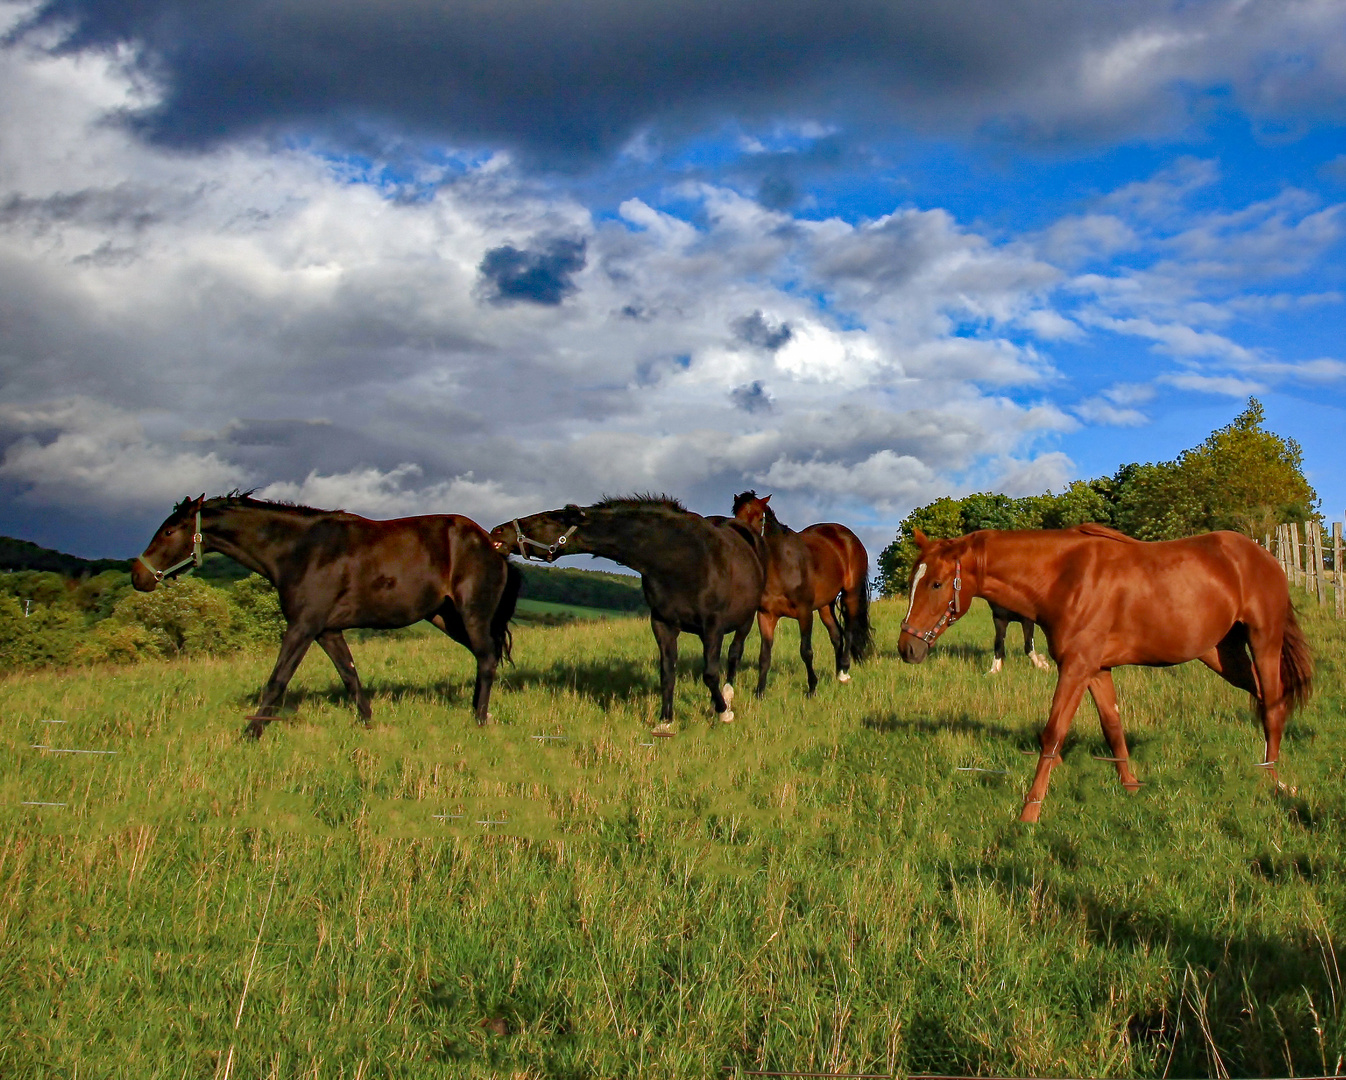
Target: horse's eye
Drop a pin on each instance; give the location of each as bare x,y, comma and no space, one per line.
937,584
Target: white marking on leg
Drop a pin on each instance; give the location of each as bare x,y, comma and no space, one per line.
727,693
1039,661
727,717
996,665
843,676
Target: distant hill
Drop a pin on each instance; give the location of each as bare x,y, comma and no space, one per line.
24,555
558,585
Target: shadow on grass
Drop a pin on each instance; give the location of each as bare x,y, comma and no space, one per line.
602,681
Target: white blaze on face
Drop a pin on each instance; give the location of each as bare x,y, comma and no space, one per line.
920,573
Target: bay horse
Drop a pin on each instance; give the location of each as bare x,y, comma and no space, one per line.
700,575
1002,617
1105,600
822,568
336,571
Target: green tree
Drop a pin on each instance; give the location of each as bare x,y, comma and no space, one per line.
940,520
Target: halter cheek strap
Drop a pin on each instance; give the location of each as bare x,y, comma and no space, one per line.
551,549
951,615
194,557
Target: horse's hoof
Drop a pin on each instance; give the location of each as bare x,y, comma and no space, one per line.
843,676
996,665
1030,812
1040,662
727,717
727,693
662,731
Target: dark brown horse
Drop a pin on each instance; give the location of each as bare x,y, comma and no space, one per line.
335,571
823,568
700,575
1002,617
1105,600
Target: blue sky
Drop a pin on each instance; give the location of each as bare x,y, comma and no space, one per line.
858,255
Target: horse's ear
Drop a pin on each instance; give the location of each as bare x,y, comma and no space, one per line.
572,514
201,500
766,499
920,539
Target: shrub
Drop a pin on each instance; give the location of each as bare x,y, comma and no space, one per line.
49,635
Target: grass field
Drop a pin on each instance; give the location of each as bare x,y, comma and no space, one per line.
527,607
814,887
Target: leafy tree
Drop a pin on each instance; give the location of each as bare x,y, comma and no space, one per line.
940,520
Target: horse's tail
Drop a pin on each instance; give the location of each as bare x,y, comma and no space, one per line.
1296,662
855,626
504,611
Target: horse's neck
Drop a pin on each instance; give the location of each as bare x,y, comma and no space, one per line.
238,532
1005,580
634,540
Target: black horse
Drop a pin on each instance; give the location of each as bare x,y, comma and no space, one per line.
335,571
1002,618
701,575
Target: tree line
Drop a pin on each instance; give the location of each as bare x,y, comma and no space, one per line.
1242,477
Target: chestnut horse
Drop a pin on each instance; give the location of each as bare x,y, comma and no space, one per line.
702,575
335,571
823,568
1105,600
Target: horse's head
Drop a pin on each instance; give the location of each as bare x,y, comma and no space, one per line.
176,543
938,596
539,536
750,508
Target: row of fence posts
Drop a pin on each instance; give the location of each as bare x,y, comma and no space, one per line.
1304,560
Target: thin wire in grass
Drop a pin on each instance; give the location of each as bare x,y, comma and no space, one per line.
247,979
62,750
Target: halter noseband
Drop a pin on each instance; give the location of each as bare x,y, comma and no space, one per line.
951,615
551,549
194,557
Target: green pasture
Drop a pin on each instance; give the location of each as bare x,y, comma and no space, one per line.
816,886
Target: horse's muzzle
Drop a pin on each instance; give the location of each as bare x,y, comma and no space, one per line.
912,649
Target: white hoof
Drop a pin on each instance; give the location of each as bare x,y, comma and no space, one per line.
727,717
996,665
843,676
727,693
1040,662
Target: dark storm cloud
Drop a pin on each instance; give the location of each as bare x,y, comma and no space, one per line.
537,277
756,329
752,397
568,81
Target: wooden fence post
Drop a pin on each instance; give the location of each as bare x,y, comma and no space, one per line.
1320,584
1280,548
1294,554
1337,570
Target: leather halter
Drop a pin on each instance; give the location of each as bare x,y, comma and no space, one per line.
551,549
951,615
194,557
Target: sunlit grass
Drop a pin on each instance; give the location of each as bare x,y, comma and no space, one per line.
815,886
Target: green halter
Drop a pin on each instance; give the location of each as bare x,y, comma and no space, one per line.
194,557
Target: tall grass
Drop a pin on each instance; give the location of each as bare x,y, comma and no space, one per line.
816,886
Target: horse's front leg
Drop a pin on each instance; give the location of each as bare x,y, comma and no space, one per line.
711,641
334,645
735,655
998,649
1070,686
1039,661
293,646
766,627
666,637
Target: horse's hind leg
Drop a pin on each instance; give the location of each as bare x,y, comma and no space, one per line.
829,617
334,645
806,648
1230,660
472,628
1104,693
666,637
766,626
1039,661
293,646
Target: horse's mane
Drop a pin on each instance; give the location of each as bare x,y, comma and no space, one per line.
1105,532
239,498
647,501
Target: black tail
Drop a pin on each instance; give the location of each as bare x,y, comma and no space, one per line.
856,630
504,611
